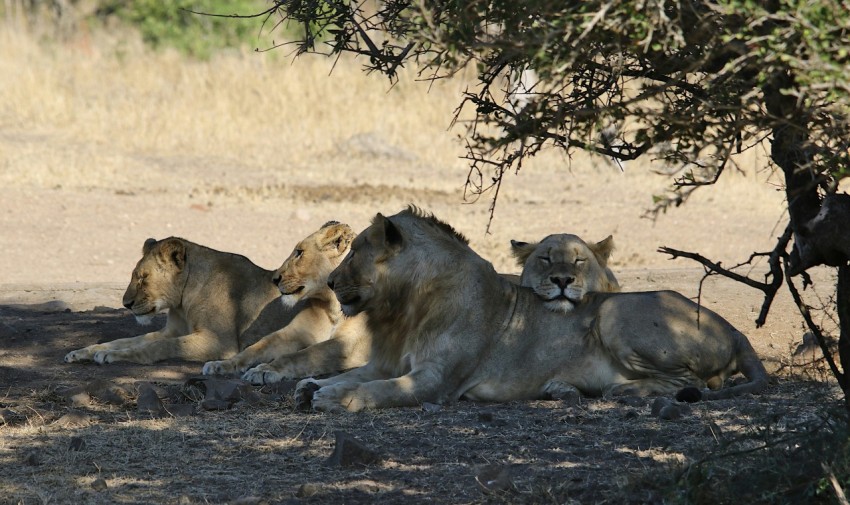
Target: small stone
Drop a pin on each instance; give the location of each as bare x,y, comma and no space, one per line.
308,489
349,452
148,401
670,413
99,485
74,418
431,407
659,404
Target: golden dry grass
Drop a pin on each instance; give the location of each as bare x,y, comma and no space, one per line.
110,99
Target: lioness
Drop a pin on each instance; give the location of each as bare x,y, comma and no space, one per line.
304,277
446,326
217,303
562,269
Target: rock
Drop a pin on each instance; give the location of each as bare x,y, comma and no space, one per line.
431,407
670,413
74,418
659,404
99,485
148,401
221,394
107,392
349,452
308,489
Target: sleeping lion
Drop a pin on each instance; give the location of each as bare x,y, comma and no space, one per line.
446,326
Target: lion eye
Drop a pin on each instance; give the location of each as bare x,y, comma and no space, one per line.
579,261
545,259
299,252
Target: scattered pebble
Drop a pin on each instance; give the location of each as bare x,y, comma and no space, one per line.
348,451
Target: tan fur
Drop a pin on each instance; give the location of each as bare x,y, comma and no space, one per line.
562,269
446,326
217,304
318,340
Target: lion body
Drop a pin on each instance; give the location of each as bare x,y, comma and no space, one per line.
446,326
319,340
217,303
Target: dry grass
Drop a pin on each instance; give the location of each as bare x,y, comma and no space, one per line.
110,102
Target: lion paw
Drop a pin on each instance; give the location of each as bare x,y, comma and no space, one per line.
105,357
225,367
304,392
338,397
262,374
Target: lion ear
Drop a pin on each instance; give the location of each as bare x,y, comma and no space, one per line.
603,249
173,250
392,235
522,250
337,236
146,248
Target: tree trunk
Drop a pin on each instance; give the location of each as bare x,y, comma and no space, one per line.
843,306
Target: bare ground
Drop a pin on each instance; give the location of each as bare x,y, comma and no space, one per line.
87,433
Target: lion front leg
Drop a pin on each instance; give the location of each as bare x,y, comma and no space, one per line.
88,353
420,385
266,349
305,390
201,345
326,357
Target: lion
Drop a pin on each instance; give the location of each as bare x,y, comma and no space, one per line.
563,268
445,326
217,302
342,343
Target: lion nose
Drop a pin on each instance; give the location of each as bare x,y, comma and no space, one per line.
276,279
330,284
562,282
129,303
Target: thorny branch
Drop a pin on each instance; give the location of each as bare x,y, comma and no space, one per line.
813,327
768,288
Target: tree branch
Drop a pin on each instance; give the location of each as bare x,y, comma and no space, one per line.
769,289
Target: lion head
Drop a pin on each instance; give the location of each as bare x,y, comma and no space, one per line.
562,269
158,279
373,263
305,272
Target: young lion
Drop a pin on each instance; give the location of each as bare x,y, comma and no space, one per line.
446,326
303,278
217,303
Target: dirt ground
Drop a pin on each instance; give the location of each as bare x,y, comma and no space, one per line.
76,206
